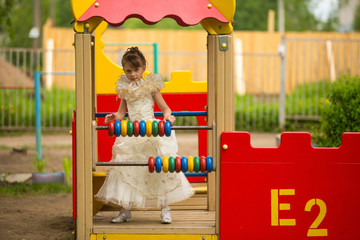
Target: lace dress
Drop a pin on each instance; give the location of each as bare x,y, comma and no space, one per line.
135,186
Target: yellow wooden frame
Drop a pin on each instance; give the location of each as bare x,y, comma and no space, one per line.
91,64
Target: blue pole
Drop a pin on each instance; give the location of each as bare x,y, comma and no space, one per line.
37,75
156,59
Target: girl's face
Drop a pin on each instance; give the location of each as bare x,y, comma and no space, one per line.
133,74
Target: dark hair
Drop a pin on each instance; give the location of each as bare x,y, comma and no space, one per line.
134,58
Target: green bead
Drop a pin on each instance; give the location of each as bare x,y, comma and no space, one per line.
130,130
155,128
171,164
196,164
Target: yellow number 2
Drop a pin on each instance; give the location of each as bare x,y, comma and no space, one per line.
313,230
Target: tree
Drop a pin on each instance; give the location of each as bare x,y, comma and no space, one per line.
6,7
251,15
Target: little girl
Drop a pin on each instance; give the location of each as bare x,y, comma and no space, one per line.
130,187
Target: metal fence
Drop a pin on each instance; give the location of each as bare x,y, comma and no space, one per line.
309,66
271,88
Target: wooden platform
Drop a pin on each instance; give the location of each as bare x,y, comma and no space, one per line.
148,222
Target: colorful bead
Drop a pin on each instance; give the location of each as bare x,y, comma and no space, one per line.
130,128
158,164
209,164
117,128
202,164
111,128
167,128
161,128
155,128
124,128
171,164
142,128
136,128
184,164
148,128
196,164
190,164
177,164
151,164
165,163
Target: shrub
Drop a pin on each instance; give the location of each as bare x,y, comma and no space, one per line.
341,112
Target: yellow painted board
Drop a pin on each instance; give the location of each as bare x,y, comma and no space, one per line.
153,237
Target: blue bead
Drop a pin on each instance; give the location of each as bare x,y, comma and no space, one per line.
209,164
184,164
167,128
158,163
142,128
117,128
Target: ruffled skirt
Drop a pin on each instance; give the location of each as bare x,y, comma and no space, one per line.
134,186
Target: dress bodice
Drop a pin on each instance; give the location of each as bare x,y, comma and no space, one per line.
141,109
139,95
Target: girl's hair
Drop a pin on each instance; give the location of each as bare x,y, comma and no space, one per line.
134,58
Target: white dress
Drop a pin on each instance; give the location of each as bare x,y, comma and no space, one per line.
135,186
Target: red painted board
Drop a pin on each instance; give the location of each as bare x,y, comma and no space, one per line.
184,12
294,191
177,102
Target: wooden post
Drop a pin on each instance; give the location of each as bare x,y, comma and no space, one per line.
84,76
220,107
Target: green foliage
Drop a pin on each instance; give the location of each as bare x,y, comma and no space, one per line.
341,112
39,164
357,19
20,102
21,189
252,15
67,164
6,7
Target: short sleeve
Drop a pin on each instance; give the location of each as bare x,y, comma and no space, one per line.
155,82
121,86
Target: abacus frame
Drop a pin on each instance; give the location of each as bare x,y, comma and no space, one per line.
220,111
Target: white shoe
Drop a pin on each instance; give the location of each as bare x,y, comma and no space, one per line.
165,215
123,216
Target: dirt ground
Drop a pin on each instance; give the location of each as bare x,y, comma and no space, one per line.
50,216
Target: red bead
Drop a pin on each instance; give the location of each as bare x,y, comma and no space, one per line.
111,128
178,164
203,164
161,128
136,128
151,164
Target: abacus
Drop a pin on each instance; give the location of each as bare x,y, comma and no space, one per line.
171,164
144,128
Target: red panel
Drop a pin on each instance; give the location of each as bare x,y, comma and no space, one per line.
184,12
263,187
177,102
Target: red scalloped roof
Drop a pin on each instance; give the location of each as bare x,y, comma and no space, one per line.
184,12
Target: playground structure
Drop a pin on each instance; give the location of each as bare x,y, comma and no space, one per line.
256,185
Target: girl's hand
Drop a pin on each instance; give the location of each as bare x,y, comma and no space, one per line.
110,117
170,118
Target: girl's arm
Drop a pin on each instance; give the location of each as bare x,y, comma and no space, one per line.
164,107
119,115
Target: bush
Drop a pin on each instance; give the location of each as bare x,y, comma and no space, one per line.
341,112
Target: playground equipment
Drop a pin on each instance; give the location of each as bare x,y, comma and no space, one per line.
257,185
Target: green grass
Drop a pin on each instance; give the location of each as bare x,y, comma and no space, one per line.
17,107
252,112
23,189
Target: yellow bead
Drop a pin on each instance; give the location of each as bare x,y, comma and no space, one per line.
97,4
223,45
190,164
209,6
165,162
148,128
123,128
87,25
225,146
